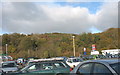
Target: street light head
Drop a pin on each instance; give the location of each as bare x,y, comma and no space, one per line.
73,36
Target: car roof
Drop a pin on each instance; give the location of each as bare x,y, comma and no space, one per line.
109,61
8,62
46,61
74,58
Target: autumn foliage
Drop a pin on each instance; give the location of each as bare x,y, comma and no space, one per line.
58,44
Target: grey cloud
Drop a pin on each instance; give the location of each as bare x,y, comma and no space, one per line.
30,17
119,14
23,17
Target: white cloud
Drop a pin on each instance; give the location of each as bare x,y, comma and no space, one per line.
59,0
65,13
30,17
107,17
0,17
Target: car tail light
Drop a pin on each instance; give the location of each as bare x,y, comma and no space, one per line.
71,69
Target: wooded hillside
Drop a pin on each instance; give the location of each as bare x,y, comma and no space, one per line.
58,44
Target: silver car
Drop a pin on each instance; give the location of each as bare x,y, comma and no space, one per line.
9,66
98,67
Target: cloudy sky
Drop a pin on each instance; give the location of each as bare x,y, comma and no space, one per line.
62,17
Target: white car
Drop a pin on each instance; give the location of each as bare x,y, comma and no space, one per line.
9,66
72,62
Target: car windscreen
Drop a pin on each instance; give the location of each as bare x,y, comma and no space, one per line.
116,67
5,65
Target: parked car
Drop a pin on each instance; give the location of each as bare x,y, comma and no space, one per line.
100,67
8,66
0,70
101,57
7,58
44,67
72,62
116,56
84,57
87,57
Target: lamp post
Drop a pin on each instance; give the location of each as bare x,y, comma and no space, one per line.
6,49
74,45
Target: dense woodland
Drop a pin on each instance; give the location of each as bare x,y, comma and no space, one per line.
58,44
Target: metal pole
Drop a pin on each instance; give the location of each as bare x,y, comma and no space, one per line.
74,45
28,52
6,49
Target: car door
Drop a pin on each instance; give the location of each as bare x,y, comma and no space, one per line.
31,70
47,68
85,69
101,69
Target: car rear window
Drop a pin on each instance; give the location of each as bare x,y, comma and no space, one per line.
5,65
116,67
